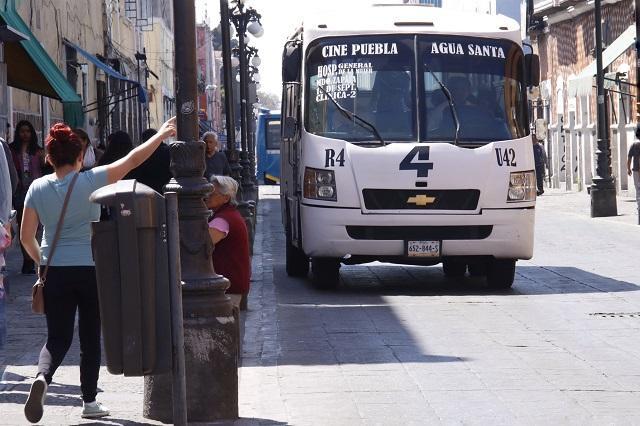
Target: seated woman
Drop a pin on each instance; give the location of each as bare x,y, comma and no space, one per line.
229,235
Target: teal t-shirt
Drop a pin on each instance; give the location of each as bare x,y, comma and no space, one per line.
46,196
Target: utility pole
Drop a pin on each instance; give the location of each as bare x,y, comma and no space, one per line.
210,328
603,190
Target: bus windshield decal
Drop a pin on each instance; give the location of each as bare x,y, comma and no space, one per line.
472,49
394,82
331,51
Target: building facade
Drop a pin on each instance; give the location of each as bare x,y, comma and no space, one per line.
76,21
86,63
562,33
160,62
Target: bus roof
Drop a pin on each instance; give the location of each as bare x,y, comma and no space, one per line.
408,19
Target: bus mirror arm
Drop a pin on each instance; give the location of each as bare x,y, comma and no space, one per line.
289,129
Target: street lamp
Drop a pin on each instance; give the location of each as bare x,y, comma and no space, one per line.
210,344
603,190
245,20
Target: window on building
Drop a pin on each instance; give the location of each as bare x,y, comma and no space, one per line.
72,66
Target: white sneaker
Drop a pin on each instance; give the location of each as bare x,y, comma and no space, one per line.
34,407
92,410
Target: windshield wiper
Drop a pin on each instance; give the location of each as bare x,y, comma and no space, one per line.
452,107
352,115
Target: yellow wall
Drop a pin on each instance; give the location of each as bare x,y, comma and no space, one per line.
159,44
79,21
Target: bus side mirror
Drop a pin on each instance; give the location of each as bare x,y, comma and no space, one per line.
532,69
292,61
289,126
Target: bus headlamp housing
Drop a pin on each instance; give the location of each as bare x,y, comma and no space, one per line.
522,187
320,184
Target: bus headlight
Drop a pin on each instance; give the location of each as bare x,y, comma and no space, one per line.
522,186
320,184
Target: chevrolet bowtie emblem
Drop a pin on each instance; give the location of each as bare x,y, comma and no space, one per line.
421,200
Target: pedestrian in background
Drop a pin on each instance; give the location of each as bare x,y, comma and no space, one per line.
90,155
13,173
633,167
228,232
70,285
5,241
217,163
28,159
540,158
155,172
118,146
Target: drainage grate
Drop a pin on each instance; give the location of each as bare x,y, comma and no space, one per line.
616,314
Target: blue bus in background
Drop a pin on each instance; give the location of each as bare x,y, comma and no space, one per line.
268,146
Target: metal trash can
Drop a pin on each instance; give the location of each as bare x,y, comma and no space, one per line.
130,252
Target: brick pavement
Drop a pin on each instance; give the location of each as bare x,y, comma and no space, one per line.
402,345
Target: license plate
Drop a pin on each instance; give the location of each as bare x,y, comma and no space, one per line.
423,248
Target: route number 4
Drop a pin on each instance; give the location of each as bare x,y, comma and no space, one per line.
417,160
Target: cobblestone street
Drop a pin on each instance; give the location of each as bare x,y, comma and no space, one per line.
398,345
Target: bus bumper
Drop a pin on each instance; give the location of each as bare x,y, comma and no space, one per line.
325,233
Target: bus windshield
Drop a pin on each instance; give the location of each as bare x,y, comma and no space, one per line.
375,78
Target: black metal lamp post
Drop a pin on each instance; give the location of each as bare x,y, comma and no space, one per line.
254,78
603,190
245,19
232,153
210,329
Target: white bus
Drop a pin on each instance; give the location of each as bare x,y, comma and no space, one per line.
406,140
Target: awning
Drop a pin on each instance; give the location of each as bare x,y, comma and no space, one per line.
30,68
581,84
142,96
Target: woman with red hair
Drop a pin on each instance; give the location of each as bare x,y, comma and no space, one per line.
71,281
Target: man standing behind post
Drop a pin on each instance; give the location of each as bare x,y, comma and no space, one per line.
633,167
217,163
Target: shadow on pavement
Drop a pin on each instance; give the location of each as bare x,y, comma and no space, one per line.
359,323
238,422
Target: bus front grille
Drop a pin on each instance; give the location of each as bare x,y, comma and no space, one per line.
415,199
476,232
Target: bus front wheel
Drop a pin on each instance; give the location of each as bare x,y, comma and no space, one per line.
297,263
501,273
325,272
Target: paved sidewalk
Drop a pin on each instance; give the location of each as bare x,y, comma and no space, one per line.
401,345
579,203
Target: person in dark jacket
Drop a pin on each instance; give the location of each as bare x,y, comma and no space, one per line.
216,160
540,158
119,144
228,232
154,172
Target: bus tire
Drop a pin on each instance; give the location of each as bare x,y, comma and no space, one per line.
297,263
501,273
325,273
453,268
